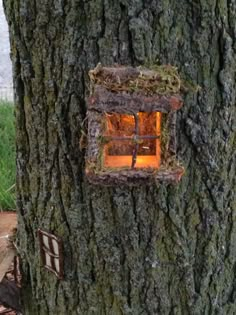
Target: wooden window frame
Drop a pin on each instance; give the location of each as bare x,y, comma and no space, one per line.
103,101
44,250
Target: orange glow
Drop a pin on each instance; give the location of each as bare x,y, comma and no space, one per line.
126,161
118,153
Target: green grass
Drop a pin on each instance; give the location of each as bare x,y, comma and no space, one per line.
7,156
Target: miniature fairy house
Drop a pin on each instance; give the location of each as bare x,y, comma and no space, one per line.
132,125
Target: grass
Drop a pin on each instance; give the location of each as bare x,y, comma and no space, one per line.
7,156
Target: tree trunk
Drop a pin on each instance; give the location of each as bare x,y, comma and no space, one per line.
162,249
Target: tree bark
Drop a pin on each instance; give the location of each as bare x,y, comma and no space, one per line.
162,249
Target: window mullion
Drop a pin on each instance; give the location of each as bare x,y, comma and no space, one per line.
135,138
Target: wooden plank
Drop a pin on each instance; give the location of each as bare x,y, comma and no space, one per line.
133,177
103,100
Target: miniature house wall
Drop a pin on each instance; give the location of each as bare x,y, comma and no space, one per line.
132,126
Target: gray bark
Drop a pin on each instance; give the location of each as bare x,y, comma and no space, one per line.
162,249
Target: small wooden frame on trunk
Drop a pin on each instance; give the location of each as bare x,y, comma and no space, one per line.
51,252
132,126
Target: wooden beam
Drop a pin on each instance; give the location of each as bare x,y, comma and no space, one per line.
103,100
133,177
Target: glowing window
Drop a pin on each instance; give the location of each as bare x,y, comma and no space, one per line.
132,127
132,140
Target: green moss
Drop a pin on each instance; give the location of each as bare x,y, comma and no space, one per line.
152,80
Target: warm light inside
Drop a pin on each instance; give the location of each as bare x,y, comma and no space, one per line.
123,145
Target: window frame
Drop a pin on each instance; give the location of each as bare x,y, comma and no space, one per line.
135,138
50,251
101,102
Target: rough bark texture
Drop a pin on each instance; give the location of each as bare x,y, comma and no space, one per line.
145,250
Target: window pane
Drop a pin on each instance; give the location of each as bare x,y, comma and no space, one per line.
147,147
119,125
146,161
119,147
119,153
147,124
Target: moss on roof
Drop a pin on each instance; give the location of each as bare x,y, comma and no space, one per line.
156,79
